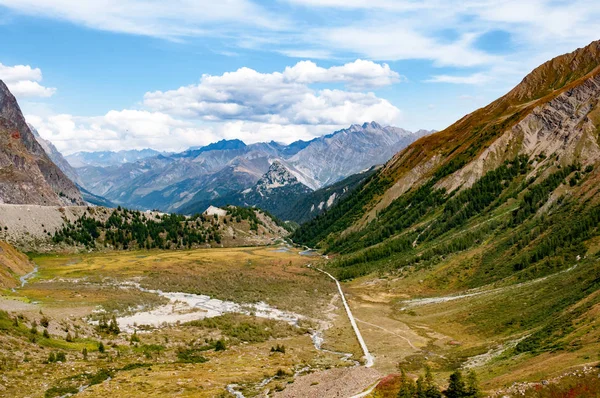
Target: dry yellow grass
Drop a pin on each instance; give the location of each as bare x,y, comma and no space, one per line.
13,264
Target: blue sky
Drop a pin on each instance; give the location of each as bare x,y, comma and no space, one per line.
110,75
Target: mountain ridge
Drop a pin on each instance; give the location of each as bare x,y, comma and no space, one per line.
172,182
27,175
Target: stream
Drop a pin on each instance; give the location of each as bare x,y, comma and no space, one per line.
185,307
25,278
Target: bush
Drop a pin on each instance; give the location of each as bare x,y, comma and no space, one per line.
220,346
191,356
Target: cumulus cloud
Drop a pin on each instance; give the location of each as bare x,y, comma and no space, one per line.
357,74
284,97
117,130
243,104
23,81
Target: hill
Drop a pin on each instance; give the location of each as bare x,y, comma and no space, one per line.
40,229
13,264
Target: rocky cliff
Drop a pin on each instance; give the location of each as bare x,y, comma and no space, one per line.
27,175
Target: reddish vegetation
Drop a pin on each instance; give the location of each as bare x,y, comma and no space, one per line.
388,386
16,135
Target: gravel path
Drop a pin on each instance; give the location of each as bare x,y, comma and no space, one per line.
370,359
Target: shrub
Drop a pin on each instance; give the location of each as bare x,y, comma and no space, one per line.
220,345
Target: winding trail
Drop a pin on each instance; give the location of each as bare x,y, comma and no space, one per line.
369,359
390,332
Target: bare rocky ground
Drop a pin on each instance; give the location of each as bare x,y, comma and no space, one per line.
337,382
28,226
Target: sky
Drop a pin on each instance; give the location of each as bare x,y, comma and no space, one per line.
132,74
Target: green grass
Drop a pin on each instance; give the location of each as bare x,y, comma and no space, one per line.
248,329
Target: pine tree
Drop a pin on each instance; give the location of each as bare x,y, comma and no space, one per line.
431,389
407,386
114,326
220,346
456,386
473,390
420,391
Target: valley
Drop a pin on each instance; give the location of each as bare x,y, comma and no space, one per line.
368,261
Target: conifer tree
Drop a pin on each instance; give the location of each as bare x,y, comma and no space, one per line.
456,386
407,386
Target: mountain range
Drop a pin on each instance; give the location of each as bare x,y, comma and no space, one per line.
200,175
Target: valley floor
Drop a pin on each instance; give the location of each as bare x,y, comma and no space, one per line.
257,322
297,331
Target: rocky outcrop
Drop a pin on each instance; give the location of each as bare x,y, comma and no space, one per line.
27,175
566,127
56,157
276,177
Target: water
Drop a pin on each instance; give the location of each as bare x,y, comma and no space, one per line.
25,278
185,307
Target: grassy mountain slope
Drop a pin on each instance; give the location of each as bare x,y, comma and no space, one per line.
502,207
13,264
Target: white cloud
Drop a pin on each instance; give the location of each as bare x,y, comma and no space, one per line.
357,74
166,19
306,53
476,78
401,42
391,5
244,104
23,81
283,97
126,129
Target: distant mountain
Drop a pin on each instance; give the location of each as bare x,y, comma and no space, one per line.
275,192
330,158
56,156
95,200
27,175
200,175
223,145
109,158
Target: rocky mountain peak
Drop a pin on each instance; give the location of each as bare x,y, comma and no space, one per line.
373,125
277,176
